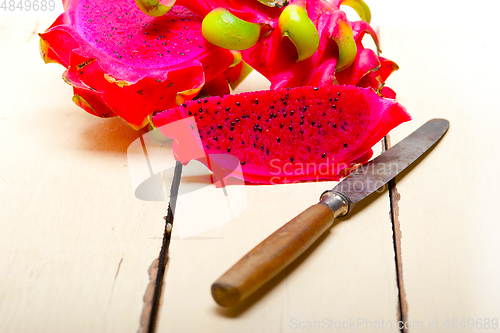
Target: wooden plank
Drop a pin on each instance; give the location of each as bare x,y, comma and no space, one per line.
347,278
75,243
447,209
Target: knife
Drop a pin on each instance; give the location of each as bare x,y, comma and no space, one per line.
277,251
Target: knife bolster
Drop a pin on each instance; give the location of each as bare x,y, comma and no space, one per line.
337,202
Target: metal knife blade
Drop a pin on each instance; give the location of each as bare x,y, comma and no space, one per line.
287,243
373,175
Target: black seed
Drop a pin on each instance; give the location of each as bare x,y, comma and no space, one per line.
238,103
281,125
345,145
286,96
228,108
201,117
219,126
313,122
229,149
233,123
324,114
260,129
271,106
215,138
199,101
302,122
254,145
267,151
284,114
291,159
290,128
230,138
338,93
242,142
182,53
330,99
232,128
256,101
315,88
140,92
291,113
205,101
343,127
261,147
302,116
259,117
334,125
324,155
319,125
242,163
216,111
208,147
218,103
336,99
334,106
184,104
237,120
278,139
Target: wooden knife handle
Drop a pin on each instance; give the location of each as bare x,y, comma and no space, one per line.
275,253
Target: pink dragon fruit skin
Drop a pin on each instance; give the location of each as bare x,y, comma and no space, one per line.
276,57
123,62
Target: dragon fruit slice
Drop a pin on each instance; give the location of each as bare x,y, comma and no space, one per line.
288,135
122,62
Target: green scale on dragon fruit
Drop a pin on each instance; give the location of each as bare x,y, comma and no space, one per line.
123,62
290,135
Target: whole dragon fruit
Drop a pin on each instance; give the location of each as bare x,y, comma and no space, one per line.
121,62
294,43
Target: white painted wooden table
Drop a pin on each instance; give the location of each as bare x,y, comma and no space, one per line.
78,250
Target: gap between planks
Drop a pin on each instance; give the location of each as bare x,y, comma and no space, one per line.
157,270
394,198
152,299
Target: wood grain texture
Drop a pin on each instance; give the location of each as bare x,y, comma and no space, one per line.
448,207
75,243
